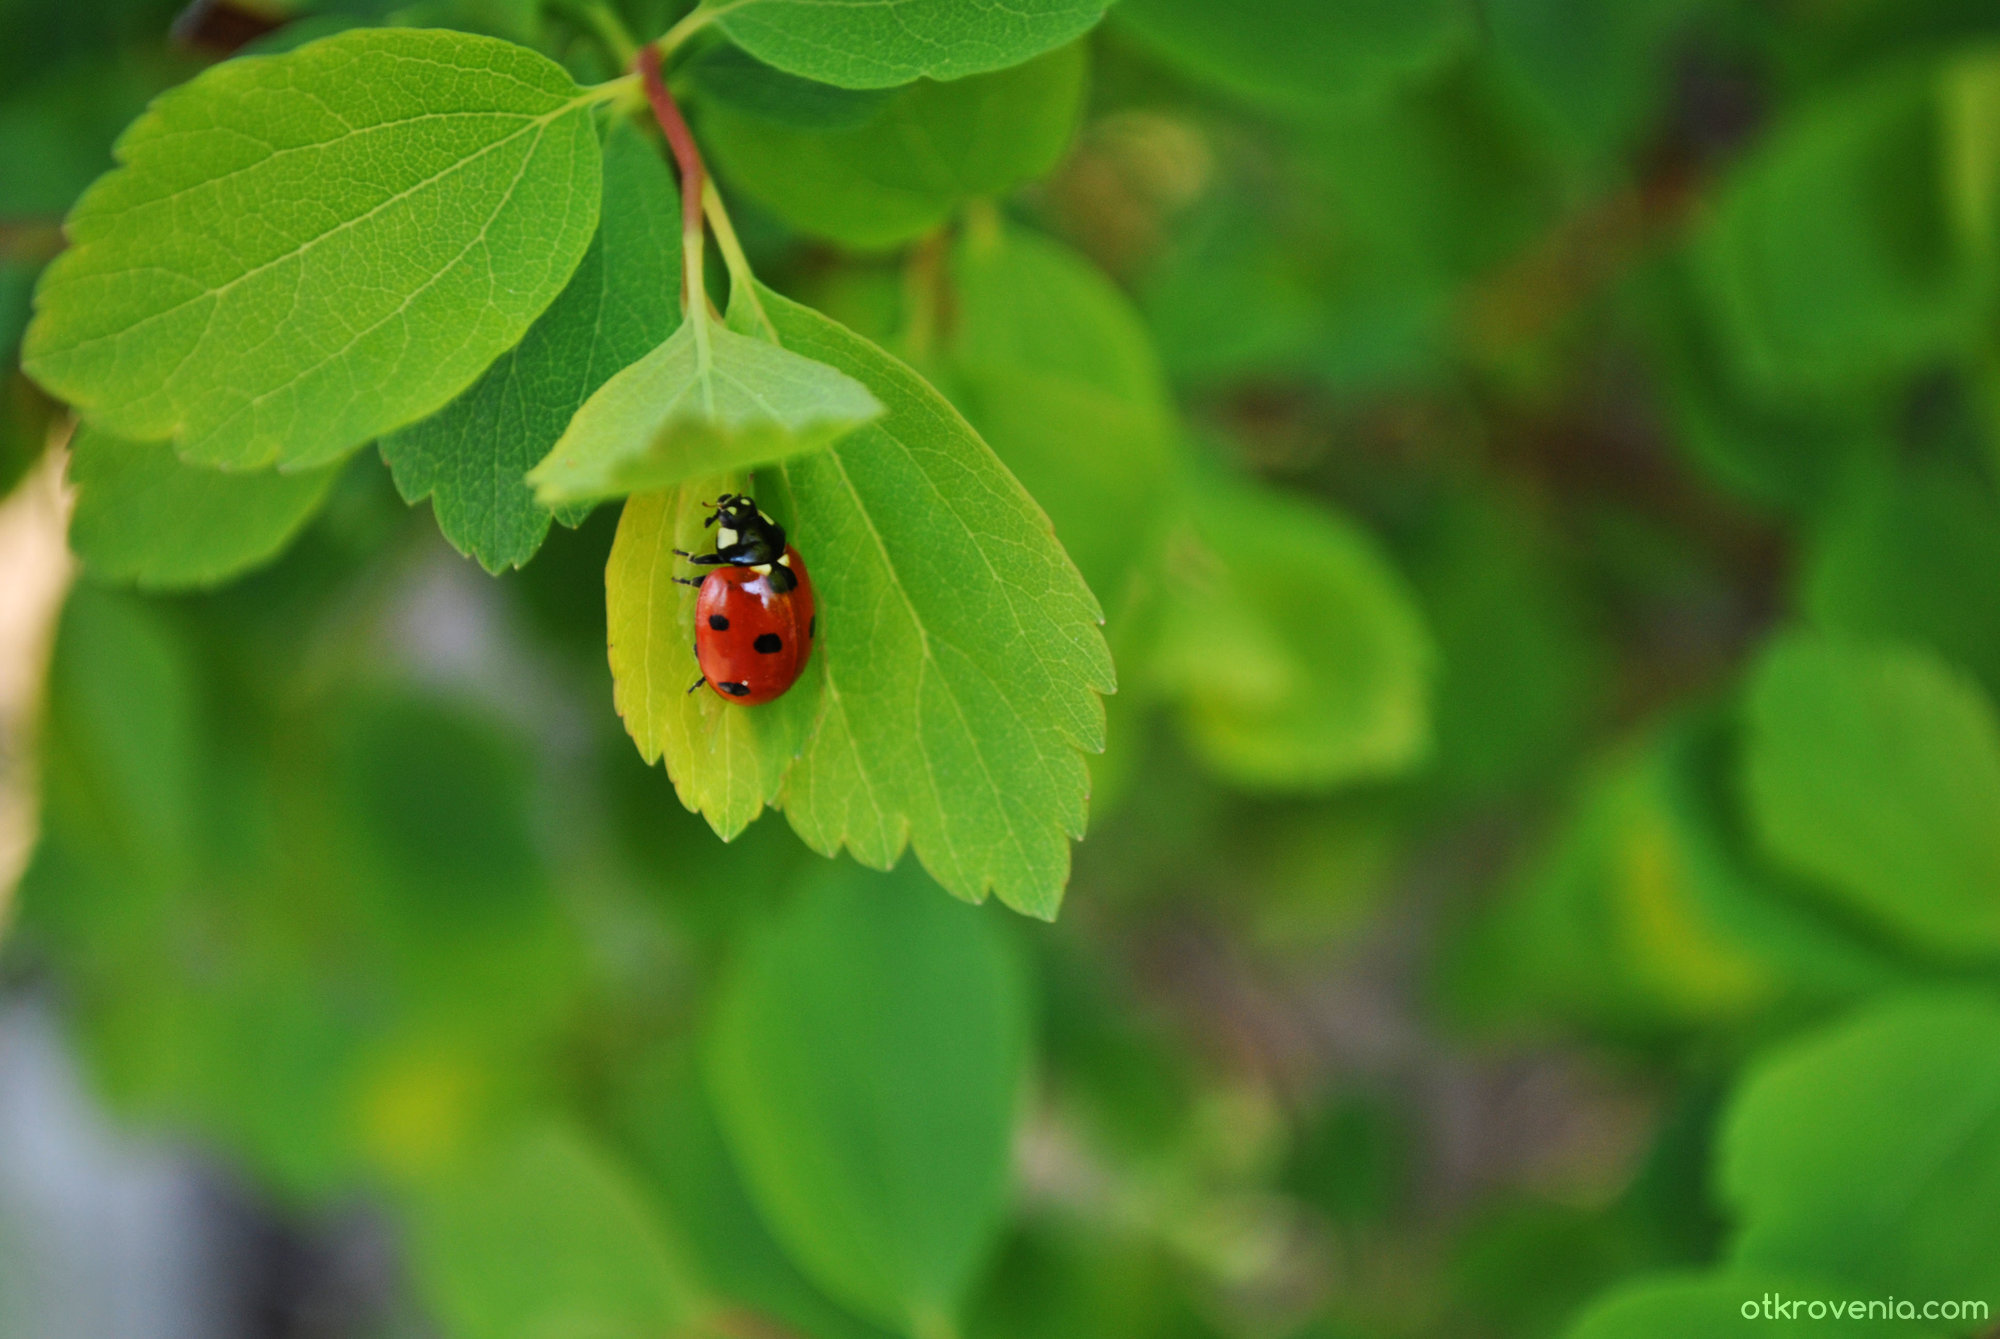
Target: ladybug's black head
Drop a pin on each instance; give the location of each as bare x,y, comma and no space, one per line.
744,534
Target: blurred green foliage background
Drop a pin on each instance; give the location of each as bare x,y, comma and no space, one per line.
1538,459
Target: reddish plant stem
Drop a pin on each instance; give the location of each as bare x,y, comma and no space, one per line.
693,174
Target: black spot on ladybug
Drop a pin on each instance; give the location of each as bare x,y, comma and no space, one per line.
718,622
735,689
812,627
769,644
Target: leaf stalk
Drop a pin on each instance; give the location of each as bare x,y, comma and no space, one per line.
741,278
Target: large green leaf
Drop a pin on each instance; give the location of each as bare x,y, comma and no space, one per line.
300,252
1056,370
963,658
877,43
1877,770
1732,1305
546,1237
1832,257
472,457
145,516
1302,53
706,402
1870,1153
1294,652
727,760
902,171
867,1058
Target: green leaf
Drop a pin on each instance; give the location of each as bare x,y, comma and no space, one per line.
727,760
472,458
708,401
1294,651
1913,556
887,42
1711,1306
1969,91
1439,187
442,878
962,651
1877,770
147,517
1600,71
37,35
902,172
867,1056
1646,912
1302,53
728,76
16,282
1520,677
438,806
300,252
56,133
1056,370
1832,258
1870,1153
123,774
664,1113
1782,452
546,1237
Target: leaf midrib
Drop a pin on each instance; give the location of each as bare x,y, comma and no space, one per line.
929,659
258,400
536,124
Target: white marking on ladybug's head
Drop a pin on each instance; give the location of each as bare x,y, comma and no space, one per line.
784,560
762,569
725,538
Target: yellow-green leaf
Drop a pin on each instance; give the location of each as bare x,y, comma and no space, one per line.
727,760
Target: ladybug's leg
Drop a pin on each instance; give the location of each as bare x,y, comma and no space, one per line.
703,559
688,581
699,680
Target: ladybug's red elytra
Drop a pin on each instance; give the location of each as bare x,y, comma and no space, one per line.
754,619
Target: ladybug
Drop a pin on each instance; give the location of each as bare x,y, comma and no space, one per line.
754,619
